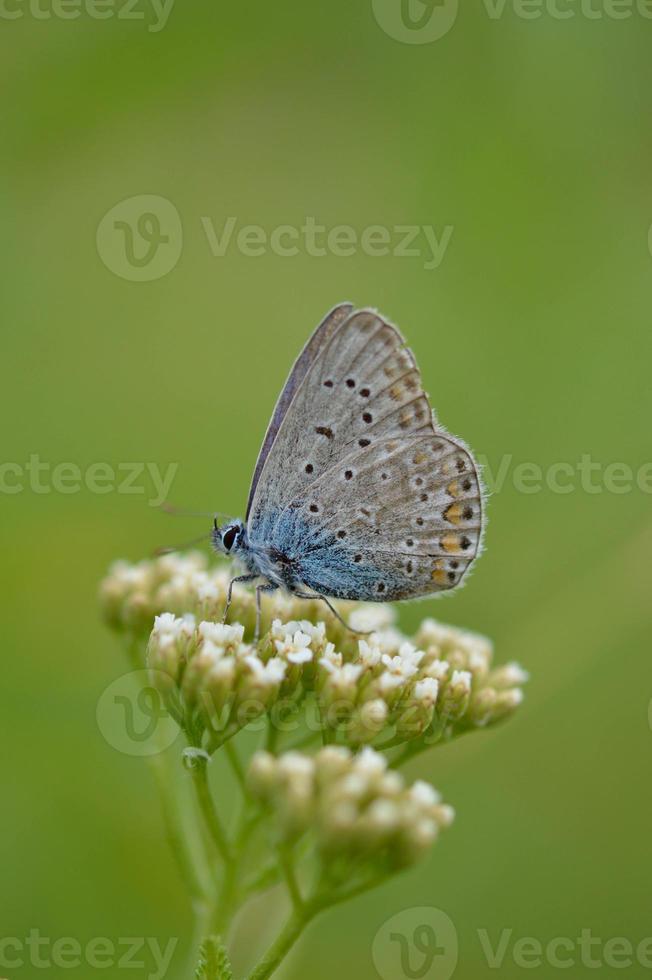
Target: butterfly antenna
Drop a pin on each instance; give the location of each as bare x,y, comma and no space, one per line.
174,511
170,549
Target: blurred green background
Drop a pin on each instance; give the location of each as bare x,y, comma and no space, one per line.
531,138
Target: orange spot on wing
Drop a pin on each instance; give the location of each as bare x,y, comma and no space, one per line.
454,513
450,542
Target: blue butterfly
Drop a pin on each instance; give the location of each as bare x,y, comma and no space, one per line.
358,493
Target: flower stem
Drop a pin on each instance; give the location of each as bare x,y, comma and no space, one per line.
286,860
237,767
195,881
207,806
283,944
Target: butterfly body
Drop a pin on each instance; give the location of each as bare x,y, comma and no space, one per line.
358,493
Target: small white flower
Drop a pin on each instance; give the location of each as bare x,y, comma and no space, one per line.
221,634
331,660
389,640
294,764
426,691
461,681
438,669
270,674
341,816
369,654
167,624
372,617
445,815
384,814
424,794
370,763
295,647
207,590
423,833
332,761
223,671
374,713
410,655
344,676
211,652
262,772
388,682
354,785
510,675
390,783
399,671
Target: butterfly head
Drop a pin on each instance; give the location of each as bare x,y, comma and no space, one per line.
228,538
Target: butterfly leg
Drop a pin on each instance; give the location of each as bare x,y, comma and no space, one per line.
315,595
229,594
266,587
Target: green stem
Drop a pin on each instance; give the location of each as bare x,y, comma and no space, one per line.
237,767
271,739
283,944
301,918
196,883
207,807
286,861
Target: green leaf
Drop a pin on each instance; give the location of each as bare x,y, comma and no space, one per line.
214,962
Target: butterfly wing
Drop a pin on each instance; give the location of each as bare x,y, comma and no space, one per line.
366,496
318,339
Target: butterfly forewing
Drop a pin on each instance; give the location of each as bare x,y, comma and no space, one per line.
369,498
362,377
318,339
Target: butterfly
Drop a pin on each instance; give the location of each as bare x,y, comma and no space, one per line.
358,493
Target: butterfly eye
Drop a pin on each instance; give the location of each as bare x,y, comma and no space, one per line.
228,539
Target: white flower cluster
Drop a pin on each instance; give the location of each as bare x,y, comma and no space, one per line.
497,692
210,676
357,808
133,594
385,688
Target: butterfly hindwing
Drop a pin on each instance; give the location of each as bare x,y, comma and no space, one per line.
403,515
